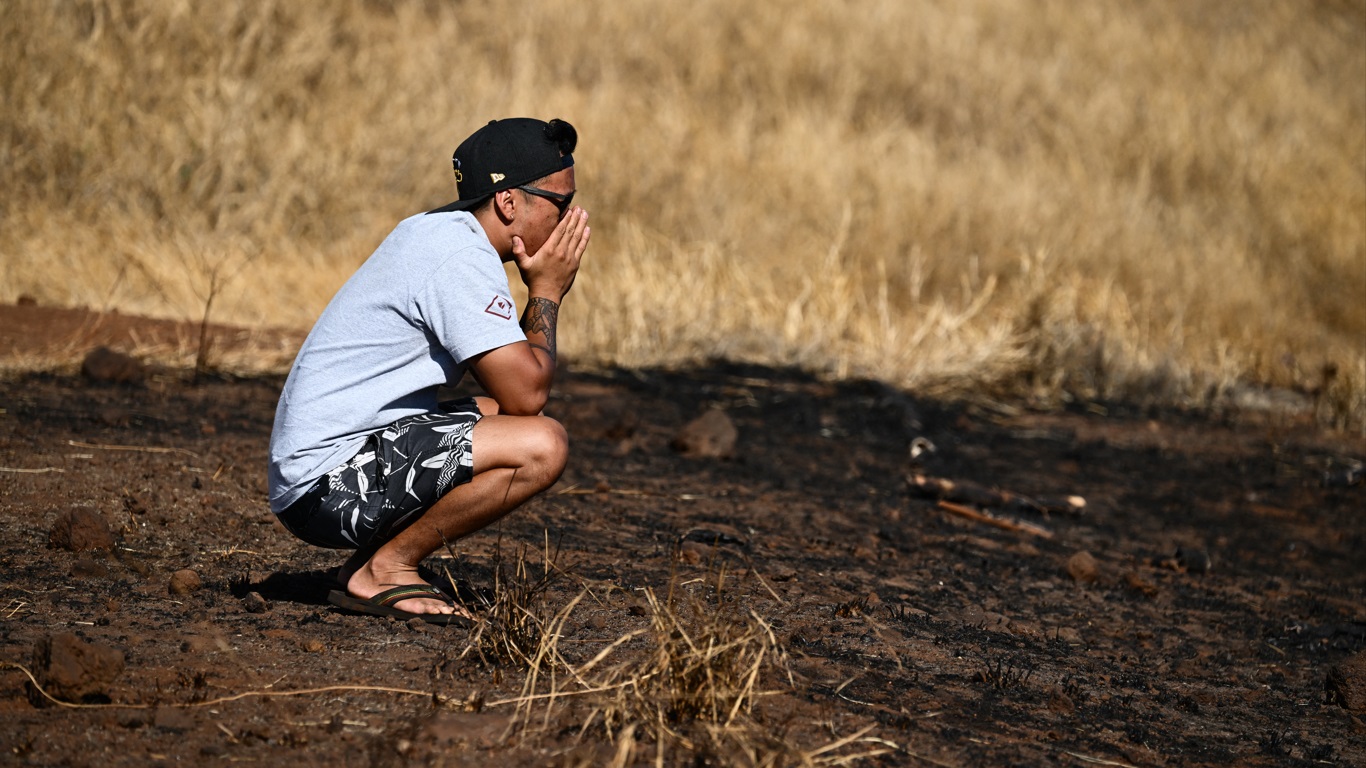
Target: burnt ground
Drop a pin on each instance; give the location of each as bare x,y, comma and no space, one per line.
958,643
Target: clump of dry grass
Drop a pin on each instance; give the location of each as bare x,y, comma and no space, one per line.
704,665
687,684
509,631
513,615
1158,200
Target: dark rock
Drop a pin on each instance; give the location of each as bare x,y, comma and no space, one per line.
1346,684
1193,560
71,669
254,603
80,529
694,553
1083,568
105,365
183,582
710,435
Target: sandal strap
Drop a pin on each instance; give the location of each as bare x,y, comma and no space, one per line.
388,597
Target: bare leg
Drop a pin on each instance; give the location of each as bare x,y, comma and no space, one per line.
515,457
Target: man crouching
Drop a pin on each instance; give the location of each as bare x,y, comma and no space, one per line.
362,456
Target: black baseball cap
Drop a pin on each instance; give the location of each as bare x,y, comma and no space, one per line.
509,153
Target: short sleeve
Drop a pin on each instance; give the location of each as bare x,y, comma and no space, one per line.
467,305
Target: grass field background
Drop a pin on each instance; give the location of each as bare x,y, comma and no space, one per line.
1160,201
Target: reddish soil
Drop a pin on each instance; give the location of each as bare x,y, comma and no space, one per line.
958,642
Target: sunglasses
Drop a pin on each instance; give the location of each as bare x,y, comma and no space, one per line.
561,201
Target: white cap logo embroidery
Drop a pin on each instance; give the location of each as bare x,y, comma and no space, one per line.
497,177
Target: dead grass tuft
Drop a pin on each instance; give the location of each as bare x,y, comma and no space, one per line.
705,664
686,686
513,616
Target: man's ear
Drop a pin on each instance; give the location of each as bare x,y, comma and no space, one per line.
505,203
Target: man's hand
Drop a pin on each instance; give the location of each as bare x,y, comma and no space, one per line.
549,274
518,376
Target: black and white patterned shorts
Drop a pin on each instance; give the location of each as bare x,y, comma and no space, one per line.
399,473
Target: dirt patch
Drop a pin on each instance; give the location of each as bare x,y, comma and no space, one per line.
1223,582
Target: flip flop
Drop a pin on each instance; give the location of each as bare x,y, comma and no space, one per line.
383,604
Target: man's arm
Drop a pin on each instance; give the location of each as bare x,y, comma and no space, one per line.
519,376
538,323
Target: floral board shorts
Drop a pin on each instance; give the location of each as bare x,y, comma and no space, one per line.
399,473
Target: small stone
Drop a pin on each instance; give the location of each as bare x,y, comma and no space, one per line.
183,582
693,553
80,529
1193,560
313,645
1083,568
1346,684
105,365
711,435
73,670
254,603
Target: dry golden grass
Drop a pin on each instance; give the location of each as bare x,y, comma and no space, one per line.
1163,201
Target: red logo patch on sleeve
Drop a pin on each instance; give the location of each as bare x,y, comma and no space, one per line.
500,307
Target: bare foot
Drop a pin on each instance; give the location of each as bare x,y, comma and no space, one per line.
370,578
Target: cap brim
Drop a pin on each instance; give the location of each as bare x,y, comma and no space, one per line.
459,205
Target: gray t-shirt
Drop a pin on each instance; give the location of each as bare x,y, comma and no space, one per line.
433,295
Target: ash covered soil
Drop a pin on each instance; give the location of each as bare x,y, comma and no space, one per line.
1205,608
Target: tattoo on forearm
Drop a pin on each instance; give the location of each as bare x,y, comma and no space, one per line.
540,317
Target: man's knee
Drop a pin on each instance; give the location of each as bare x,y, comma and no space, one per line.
547,448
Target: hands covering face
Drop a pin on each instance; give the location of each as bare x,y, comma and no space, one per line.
550,271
